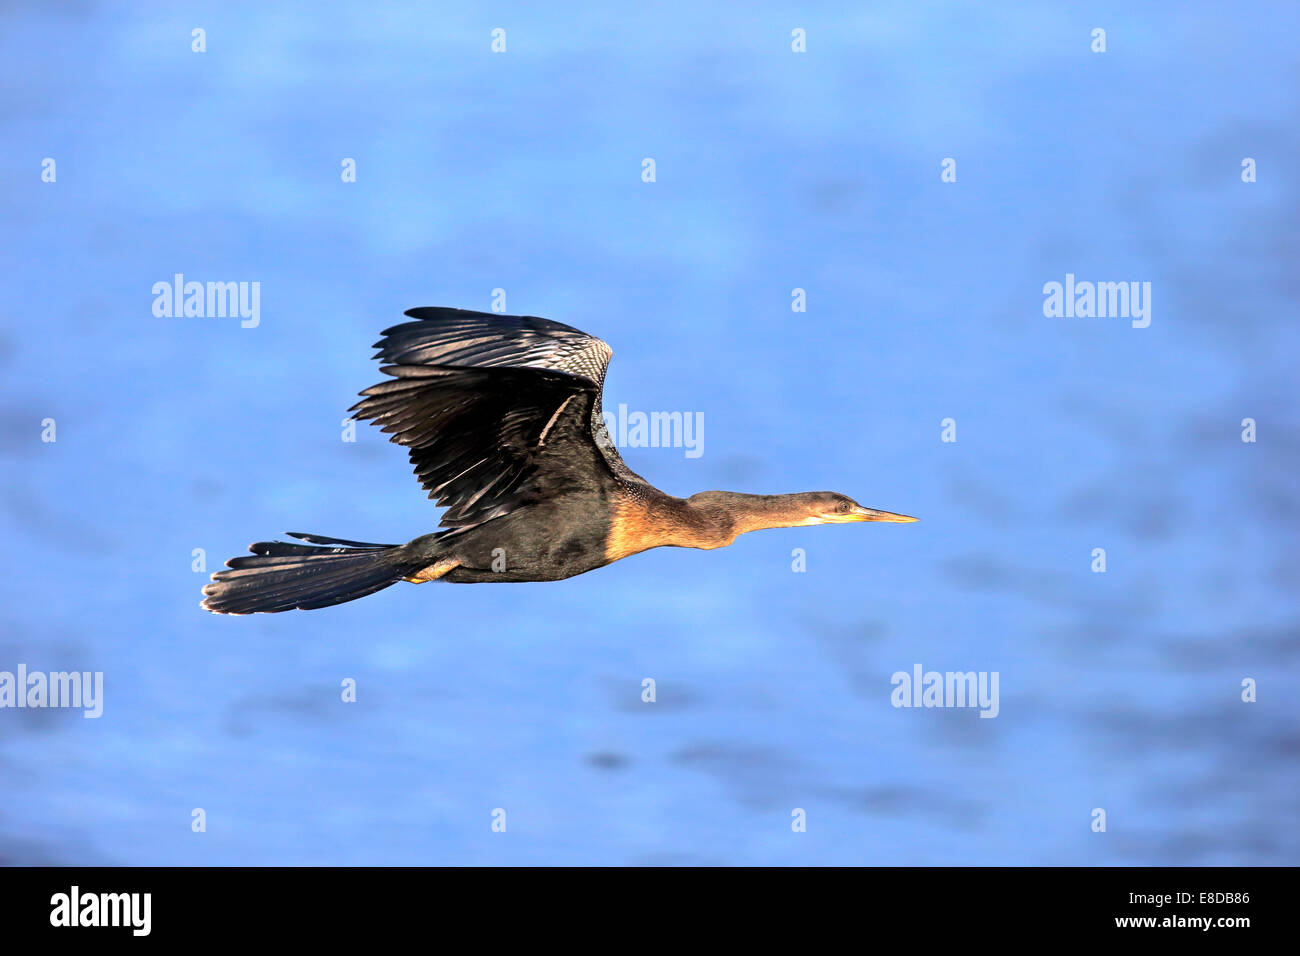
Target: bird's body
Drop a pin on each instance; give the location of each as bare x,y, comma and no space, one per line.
501,417
537,542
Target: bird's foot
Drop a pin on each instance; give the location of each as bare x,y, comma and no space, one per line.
433,571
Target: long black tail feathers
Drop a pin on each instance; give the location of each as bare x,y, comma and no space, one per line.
279,576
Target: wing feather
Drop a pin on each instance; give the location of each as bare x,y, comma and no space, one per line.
495,410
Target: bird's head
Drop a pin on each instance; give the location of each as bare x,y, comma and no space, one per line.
829,507
752,512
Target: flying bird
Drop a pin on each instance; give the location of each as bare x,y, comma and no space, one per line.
501,417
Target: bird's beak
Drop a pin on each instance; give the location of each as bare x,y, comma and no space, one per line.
860,513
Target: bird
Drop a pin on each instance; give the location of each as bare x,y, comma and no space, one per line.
501,417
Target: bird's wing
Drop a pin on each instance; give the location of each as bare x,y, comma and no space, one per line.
495,409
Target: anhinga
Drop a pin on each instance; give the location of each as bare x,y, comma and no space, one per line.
501,414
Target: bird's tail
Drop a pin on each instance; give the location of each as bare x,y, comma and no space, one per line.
279,576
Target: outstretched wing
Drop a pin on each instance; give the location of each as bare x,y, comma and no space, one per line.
495,409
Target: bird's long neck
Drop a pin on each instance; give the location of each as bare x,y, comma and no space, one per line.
739,513
709,520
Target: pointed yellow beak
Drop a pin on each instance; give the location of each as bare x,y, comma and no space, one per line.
870,514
